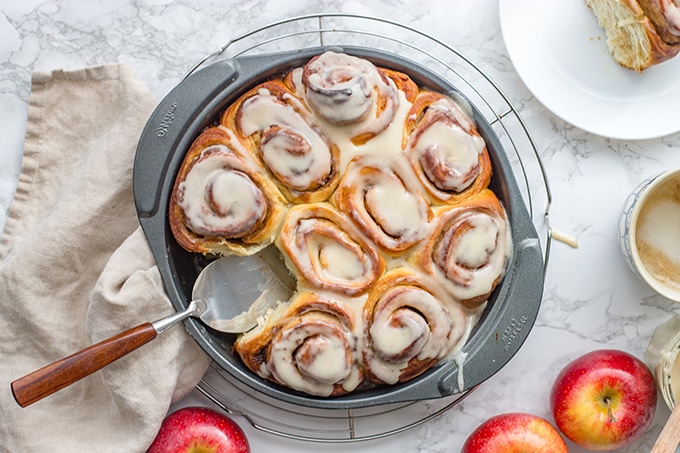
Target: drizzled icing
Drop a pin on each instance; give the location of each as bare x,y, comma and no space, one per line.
409,325
469,249
349,93
313,354
218,198
292,150
383,196
444,149
671,11
327,251
337,88
313,349
398,248
449,156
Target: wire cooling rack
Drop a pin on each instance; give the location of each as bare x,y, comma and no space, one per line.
327,425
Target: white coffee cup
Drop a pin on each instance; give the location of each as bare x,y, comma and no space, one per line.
649,233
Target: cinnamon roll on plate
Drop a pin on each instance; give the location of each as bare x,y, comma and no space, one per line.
640,33
665,15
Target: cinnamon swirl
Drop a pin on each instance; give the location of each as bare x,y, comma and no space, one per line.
311,347
222,202
351,93
469,248
274,125
385,200
409,326
326,250
665,15
445,149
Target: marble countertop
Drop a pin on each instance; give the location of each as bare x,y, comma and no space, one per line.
591,299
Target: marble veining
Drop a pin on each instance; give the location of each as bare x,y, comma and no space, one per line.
592,299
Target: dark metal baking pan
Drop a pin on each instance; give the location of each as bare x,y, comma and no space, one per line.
196,102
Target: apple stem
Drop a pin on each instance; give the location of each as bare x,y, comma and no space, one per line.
609,409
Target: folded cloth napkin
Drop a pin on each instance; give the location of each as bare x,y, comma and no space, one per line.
75,268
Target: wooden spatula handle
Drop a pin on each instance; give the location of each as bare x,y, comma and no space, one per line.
668,440
51,378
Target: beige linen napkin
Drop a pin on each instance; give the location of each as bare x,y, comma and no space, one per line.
75,268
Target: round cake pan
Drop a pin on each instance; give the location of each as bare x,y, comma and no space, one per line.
196,102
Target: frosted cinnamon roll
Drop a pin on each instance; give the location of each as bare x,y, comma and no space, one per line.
408,327
222,202
273,124
351,92
326,251
469,248
385,200
310,348
445,149
640,33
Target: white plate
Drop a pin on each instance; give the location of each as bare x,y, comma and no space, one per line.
560,53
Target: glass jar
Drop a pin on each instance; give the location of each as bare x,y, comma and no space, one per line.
662,357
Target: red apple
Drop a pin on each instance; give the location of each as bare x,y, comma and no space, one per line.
604,400
199,430
515,433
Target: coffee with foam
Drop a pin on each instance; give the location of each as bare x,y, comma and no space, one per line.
658,233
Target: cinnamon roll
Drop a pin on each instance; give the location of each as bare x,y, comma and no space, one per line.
351,93
640,33
385,200
469,248
222,202
445,149
409,326
326,251
310,348
274,124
